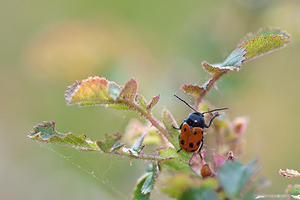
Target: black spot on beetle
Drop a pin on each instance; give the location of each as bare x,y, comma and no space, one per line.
191,145
195,132
193,150
182,142
184,129
198,143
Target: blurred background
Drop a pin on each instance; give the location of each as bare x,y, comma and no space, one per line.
47,45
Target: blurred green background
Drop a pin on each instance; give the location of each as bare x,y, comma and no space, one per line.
47,45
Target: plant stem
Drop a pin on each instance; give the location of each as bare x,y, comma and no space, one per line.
141,156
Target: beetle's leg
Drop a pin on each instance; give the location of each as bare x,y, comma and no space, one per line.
200,155
176,128
207,126
201,148
179,150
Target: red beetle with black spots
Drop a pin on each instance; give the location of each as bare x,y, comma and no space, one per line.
191,135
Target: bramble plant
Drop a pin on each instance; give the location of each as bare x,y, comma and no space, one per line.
183,175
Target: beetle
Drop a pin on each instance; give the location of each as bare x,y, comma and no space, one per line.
191,129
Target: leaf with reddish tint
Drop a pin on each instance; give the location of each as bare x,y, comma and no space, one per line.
216,69
153,102
206,171
232,62
264,31
71,89
99,91
254,45
295,197
219,160
93,90
289,173
130,89
264,41
194,90
110,143
46,133
240,125
196,163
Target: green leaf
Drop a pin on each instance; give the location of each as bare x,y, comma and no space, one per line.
293,190
264,41
201,193
168,152
135,150
172,153
234,60
114,90
137,146
254,45
137,193
234,176
46,133
176,164
266,32
142,101
149,182
145,183
169,122
110,142
118,106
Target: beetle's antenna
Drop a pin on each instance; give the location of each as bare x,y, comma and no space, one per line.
214,110
185,103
